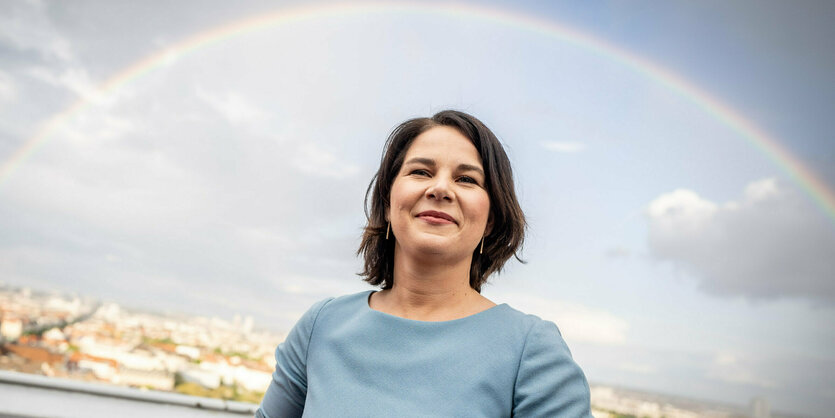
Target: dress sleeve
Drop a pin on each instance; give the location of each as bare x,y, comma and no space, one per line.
286,394
549,383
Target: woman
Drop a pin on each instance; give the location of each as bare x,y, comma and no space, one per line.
443,217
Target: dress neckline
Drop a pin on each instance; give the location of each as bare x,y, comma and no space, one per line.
373,311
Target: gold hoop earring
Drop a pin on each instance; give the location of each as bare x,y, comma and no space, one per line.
388,229
481,250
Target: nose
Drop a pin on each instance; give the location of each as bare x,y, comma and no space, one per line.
440,189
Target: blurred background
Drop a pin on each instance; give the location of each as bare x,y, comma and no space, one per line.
210,159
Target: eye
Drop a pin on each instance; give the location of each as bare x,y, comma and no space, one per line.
419,172
467,179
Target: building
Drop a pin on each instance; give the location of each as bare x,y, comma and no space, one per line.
11,328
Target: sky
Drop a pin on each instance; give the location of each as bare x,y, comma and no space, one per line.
147,159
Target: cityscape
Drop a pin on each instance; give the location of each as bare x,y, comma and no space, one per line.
79,338
75,338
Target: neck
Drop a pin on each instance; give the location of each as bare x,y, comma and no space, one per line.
430,290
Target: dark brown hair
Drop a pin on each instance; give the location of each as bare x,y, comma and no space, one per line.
507,221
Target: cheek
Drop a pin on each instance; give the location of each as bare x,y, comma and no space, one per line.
481,209
399,199
486,213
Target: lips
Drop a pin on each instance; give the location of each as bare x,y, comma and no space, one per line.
434,216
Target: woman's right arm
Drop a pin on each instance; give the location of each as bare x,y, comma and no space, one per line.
286,394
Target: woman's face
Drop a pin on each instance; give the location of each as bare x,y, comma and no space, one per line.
438,203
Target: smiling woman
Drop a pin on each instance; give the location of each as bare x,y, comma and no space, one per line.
443,217
485,162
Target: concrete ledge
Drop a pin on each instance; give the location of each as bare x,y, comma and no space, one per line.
130,394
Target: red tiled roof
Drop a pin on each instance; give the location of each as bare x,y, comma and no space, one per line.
76,357
34,354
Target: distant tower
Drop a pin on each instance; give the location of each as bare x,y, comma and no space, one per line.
760,408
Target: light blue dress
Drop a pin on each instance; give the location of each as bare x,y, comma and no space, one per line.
344,359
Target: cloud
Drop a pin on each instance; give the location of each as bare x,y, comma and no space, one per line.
319,287
316,161
26,26
77,80
618,252
232,106
640,368
564,147
769,244
7,88
730,368
577,323
87,131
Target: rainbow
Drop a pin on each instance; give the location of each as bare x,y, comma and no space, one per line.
816,189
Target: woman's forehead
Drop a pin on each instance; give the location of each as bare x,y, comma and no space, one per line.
445,144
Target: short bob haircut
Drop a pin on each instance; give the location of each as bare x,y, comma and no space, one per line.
506,220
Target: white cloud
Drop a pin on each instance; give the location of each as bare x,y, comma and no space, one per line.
232,106
316,286
576,322
725,359
768,244
77,80
26,26
314,160
133,198
761,190
86,130
681,211
7,88
564,147
640,368
262,238
730,368
618,252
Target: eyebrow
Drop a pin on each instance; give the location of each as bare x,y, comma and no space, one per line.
430,162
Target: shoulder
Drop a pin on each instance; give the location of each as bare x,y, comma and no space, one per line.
355,301
532,326
545,346
309,317
334,308
523,334
331,307
540,337
548,382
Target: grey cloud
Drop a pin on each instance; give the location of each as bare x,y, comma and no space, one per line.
7,88
132,201
26,26
771,243
618,252
233,106
736,376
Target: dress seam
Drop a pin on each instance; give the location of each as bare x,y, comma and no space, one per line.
519,368
312,328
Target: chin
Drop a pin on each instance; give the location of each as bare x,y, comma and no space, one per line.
440,249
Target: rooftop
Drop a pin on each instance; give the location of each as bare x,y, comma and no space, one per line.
34,396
